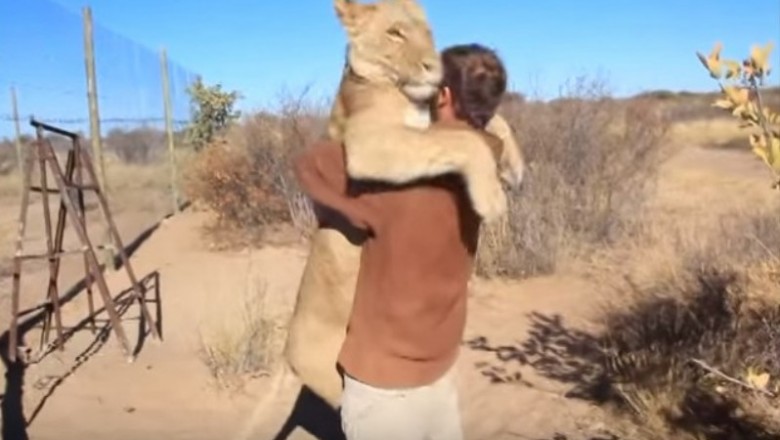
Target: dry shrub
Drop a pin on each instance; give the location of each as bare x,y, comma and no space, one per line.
719,311
592,163
242,350
246,179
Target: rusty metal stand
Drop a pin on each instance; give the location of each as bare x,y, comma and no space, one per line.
71,189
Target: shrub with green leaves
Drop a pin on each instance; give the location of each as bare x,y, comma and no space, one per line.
212,112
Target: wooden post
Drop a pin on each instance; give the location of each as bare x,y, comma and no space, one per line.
17,131
169,128
94,111
94,122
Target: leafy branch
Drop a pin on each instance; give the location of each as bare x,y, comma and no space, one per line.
740,84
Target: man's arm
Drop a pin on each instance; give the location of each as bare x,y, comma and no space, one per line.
320,171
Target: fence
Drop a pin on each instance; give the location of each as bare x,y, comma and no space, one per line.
129,102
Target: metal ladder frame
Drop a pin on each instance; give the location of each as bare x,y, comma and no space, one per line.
70,187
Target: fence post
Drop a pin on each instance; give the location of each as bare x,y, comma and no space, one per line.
94,111
94,123
17,132
169,128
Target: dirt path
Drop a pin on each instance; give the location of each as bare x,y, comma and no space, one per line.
168,391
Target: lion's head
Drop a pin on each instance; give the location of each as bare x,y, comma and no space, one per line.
390,41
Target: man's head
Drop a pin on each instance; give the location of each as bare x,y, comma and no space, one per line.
474,82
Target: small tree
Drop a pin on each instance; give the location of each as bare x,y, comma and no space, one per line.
740,84
211,112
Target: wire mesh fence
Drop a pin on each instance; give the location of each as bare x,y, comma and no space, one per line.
45,57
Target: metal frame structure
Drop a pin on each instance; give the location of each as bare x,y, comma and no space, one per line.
70,186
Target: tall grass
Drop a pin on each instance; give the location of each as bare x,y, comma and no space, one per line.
593,162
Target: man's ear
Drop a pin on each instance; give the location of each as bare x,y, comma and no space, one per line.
352,13
445,97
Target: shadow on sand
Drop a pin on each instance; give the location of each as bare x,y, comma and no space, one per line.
571,356
14,422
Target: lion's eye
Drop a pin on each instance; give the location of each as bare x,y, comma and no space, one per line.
395,33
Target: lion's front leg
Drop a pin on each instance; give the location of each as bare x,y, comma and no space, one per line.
512,164
400,154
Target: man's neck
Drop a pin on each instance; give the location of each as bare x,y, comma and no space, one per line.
446,114
451,121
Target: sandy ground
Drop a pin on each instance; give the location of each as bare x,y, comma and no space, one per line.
90,391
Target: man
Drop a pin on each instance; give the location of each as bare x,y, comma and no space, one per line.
409,309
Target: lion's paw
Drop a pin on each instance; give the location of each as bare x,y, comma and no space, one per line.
513,176
489,199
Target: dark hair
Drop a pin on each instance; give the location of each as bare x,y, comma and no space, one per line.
477,79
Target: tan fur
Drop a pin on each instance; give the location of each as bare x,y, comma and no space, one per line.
319,321
511,163
381,113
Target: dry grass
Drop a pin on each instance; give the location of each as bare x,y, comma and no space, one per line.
686,107
136,187
712,133
139,196
10,187
697,122
132,186
237,350
8,162
593,162
6,239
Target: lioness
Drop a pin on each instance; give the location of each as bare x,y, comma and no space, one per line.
381,109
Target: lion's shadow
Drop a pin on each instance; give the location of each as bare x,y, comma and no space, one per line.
313,415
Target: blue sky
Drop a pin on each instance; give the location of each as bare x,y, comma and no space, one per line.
260,47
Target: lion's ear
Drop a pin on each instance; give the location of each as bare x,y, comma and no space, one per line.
343,8
413,7
352,13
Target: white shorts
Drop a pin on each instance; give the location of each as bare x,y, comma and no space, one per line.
429,412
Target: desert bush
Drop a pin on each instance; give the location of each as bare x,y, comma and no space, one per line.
592,162
241,350
246,178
